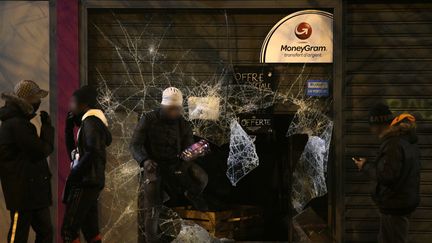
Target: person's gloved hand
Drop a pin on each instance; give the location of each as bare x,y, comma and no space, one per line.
45,118
150,165
149,168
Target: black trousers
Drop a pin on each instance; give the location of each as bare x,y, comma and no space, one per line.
39,220
186,177
393,228
82,214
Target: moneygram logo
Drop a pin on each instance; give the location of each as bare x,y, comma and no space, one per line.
303,31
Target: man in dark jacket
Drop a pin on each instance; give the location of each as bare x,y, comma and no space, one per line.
24,172
158,140
396,171
87,176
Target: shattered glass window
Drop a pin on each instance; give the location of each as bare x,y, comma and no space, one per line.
145,66
309,179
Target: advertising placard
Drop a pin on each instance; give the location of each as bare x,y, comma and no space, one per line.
317,88
301,37
254,124
258,76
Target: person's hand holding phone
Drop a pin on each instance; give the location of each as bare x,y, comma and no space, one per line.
360,162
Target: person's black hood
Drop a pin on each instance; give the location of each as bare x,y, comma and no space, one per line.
99,114
14,107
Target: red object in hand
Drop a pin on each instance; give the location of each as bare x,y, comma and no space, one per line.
196,150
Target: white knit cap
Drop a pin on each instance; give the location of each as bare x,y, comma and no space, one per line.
172,97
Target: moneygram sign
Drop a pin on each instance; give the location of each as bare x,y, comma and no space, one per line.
301,37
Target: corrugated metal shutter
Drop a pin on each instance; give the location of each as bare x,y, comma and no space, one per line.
389,57
211,44
201,33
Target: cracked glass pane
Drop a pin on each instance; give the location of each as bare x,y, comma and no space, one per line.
214,105
242,157
309,180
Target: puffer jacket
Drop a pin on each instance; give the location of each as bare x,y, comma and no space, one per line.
93,138
160,139
396,171
24,171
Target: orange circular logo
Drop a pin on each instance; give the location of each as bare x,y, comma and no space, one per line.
303,31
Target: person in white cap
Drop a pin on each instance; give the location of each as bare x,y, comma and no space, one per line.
159,138
24,172
172,97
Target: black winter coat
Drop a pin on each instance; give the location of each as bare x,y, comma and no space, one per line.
397,171
93,138
160,139
24,171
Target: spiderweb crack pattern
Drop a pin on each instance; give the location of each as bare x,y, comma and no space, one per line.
193,233
148,70
176,230
309,174
242,157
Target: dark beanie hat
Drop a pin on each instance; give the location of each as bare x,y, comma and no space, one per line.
380,114
86,95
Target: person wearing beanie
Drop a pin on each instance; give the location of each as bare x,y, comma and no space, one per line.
87,176
24,172
158,140
395,170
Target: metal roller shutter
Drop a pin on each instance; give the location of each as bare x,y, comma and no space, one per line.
389,48
210,42
214,39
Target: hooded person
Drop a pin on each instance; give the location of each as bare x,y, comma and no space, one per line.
87,176
396,171
24,172
158,140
